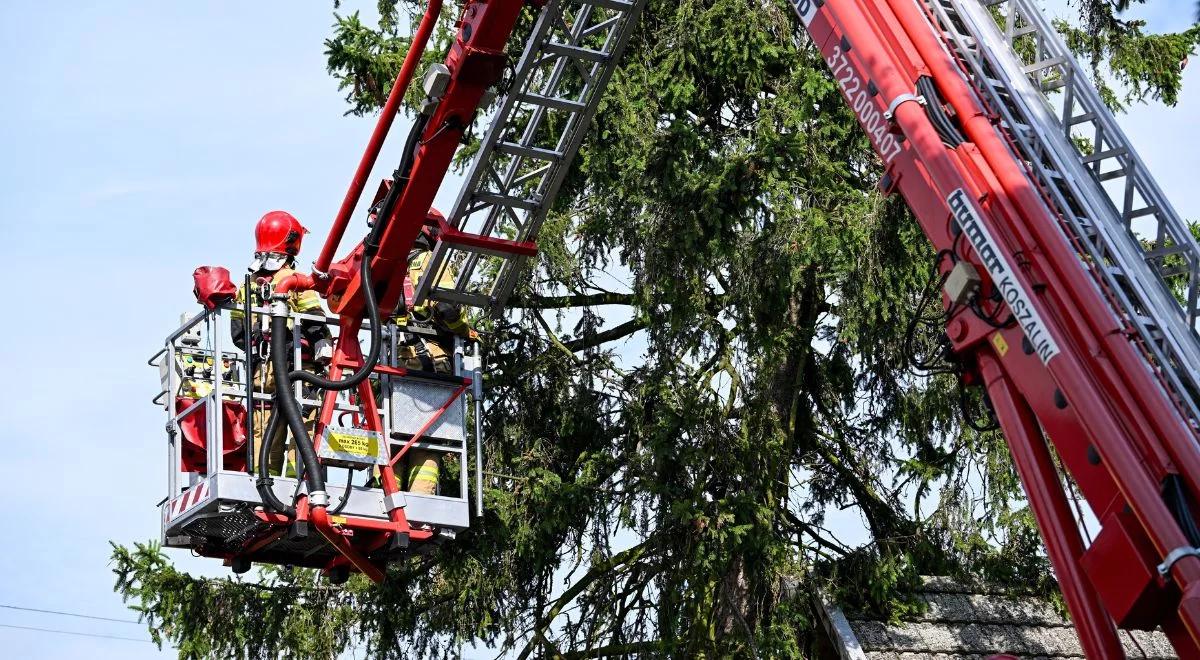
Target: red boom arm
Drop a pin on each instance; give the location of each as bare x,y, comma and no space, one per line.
1066,364
475,62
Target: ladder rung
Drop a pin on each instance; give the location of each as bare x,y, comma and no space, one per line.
1148,322
609,4
1113,174
576,52
1119,151
505,200
1080,119
601,26
1142,212
532,174
1044,64
1159,253
1051,86
530,152
554,102
496,247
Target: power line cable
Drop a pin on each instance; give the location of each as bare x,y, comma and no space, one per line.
72,632
74,614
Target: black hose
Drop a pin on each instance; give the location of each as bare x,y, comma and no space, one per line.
346,495
399,183
1176,499
370,247
264,481
368,364
287,404
942,123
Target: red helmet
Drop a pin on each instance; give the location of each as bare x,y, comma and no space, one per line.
277,236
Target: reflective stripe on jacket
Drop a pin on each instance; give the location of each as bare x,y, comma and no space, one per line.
448,316
303,302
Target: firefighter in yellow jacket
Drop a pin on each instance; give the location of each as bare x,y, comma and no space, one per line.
278,236
449,320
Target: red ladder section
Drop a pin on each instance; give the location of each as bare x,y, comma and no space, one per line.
1064,368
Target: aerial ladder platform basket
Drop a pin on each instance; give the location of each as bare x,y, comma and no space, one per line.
362,514
214,505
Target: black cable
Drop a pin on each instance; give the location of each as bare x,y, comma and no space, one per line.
283,378
399,183
264,481
370,248
935,284
990,319
965,405
1177,502
368,365
286,403
345,495
942,123
61,613
72,632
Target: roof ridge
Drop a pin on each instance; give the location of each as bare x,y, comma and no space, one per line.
972,622
946,584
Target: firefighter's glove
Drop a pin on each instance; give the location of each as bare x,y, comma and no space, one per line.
323,351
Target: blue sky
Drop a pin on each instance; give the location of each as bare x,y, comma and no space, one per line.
139,141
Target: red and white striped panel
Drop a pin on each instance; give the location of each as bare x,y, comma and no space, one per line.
188,500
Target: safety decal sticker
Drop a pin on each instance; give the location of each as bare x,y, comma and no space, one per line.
1000,344
1003,275
188,501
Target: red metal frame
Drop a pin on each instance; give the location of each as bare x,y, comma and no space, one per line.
455,237
431,421
1097,634
383,126
475,62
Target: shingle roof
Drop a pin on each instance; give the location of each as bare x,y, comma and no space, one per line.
968,623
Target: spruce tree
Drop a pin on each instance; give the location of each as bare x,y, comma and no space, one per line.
715,348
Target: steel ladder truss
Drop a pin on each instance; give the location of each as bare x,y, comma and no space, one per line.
1062,371
1130,235
527,151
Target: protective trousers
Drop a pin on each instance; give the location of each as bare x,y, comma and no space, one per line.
264,381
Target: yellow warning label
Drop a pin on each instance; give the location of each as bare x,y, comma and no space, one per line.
1000,344
358,445
337,520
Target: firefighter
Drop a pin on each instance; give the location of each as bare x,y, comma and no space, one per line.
448,320
278,236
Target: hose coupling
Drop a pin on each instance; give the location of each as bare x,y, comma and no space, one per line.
279,307
318,498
